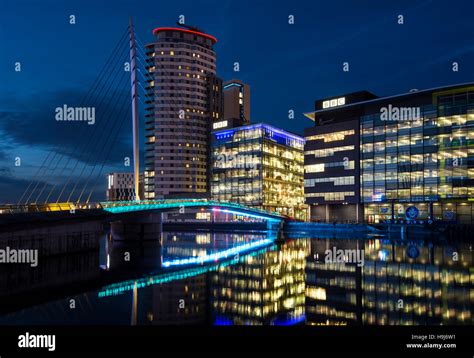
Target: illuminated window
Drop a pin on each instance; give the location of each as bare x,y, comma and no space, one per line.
111,181
348,180
314,168
329,152
331,137
203,216
317,293
331,196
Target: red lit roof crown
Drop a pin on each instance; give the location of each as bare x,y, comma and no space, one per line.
159,29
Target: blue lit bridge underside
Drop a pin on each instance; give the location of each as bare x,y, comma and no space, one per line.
120,207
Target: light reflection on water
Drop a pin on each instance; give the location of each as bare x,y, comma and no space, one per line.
250,278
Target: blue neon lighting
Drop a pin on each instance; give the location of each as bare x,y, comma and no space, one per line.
289,321
233,84
117,207
244,214
223,321
224,134
125,286
214,257
269,132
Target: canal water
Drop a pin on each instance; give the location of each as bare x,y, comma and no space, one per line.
254,278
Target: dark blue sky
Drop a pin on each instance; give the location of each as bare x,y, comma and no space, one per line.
287,66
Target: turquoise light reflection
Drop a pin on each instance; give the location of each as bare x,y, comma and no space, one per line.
125,286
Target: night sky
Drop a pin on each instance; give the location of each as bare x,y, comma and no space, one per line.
287,66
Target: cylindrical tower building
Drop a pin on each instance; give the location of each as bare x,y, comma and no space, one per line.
184,97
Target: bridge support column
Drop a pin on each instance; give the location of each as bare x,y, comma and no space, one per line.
275,225
138,226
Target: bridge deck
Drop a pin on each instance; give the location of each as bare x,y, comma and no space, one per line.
117,207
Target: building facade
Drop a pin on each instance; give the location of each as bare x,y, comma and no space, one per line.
259,166
236,105
120,186
184,98
332,163
415,150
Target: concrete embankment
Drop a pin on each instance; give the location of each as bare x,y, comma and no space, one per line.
437,230
55,233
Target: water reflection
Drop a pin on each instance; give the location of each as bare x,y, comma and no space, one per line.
400,284
181,249
266,289
56,274
255,279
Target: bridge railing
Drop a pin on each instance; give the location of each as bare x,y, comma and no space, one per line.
172,203
156,203
49,207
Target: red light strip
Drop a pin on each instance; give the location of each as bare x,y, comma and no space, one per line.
158,29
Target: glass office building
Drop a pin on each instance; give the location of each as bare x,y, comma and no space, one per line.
259,166
416,154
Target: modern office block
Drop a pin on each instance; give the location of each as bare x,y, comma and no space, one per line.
408,157
259,166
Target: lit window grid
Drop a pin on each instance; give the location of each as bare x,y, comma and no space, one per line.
275,181
347,180
332,196
331,137
328,152
320,167
405,167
